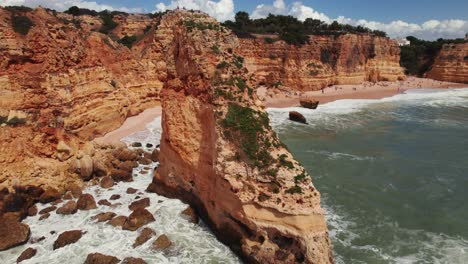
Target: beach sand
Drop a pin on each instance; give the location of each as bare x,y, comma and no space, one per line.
131,125
359,91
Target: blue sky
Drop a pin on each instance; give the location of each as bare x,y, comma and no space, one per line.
427,19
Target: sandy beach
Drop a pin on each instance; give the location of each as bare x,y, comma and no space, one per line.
358,91
131,125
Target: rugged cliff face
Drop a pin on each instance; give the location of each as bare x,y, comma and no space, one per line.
219,153
61,86
451,64
327,60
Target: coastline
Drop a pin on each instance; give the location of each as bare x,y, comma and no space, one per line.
282,99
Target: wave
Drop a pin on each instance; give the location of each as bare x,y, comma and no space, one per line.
338,155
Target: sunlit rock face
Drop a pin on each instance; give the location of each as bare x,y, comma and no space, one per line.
324,61
219,153
451,64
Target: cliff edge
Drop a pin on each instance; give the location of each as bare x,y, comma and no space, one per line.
451,64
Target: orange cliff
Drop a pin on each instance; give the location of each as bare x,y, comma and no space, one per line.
326,60
219,153
451,64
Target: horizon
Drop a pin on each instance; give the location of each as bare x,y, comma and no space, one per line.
434,21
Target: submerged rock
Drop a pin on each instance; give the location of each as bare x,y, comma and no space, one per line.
137,219
27,254
162,243
98,258
132,260
297,117
103,217
118,221
145,235
189,213
67,238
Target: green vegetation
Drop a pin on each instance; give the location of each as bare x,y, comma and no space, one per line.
222,65
299,178
215,49
190,25
226,94
21,24
285,163
418,57
294,189
246,128
128,41
108,23
290,29
238,62
263,197
270,40
18,9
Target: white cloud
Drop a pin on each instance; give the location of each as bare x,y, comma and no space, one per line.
221,10
61,5
432,29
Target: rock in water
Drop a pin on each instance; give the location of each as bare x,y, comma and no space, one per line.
137,219
106,182
12,233
67,238
297,117
98,258
86,202
50,195
162,243
190,214
118,221
131,260
217,142
309,103
143,203
68,208
145,235
27,254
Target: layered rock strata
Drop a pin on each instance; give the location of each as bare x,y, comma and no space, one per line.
451,64
219,153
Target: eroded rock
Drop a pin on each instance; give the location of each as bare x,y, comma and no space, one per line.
145,235
137,219
26,254
67,238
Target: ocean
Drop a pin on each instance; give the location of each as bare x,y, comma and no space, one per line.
393,174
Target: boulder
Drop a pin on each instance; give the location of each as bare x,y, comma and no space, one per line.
104,202
86,202
145,235
49,195
309,103
27,254
64,151
297,117
131,190
121,175
86,167
125,154
155,155
132,260
75,190
47,210
189,213
106,182
103,217
98,258
12,233
14,202
68,208
136,145
118,221
162,243
67,238
44,216
67,196
143,203
115,197
32,211
16,117
145,161
137,219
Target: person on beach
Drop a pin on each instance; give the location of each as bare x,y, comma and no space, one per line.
322,90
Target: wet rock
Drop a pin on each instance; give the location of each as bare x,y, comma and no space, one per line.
131,191
12,233
132,260
118,221
75,190
115,197
32,211
125,155
103,217
309,103
136,145
106,182
143,203
86,167
297,117
145,235
68,208
56,202
152,188
155,155
189,213
50,195
162,243
137,219
67,196
98,258
145,161
44,216
119,175
30,191
104,202
35,240
27,254
67,238
86,202
47,210
148,145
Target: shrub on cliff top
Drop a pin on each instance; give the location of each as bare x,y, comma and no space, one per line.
21,24
128,41
20,9
108,23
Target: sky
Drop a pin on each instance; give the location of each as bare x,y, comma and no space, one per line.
427,19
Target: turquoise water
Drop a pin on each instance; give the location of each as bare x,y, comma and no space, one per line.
393,174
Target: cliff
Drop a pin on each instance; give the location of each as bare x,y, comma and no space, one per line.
451,64
326,60
219,153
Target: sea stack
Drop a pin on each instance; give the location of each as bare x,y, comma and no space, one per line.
219,153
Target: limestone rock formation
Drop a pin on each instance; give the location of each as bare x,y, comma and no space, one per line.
297,117
326,60
451,64
219,153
